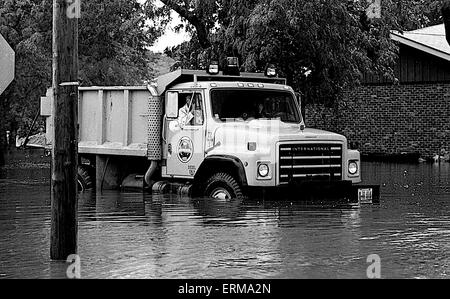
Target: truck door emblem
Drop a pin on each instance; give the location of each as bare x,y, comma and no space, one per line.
185,150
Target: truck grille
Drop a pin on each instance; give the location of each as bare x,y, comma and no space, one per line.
310,162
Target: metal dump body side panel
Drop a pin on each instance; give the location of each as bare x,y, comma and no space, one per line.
88,112
113,120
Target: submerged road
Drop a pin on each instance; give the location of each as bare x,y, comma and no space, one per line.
131,235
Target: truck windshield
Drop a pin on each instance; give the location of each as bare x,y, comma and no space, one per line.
246,105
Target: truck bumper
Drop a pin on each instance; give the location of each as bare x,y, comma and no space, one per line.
340,191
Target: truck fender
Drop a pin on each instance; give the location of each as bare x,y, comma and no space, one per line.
229,164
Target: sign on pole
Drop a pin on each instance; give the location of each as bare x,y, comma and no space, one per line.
374,9
7,59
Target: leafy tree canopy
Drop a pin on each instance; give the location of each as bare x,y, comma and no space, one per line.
320,46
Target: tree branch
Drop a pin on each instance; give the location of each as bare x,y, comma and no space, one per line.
193,19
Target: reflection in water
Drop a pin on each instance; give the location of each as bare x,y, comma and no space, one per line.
135,235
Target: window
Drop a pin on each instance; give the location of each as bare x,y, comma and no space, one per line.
190,111
246,105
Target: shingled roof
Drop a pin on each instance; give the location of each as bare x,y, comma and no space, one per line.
431,40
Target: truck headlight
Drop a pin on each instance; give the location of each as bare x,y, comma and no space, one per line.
353,167
263,170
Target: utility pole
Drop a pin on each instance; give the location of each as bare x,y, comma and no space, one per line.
64,227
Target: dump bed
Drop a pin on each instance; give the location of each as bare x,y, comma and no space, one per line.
114,120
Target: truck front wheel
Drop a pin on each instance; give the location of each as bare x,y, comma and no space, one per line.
223,186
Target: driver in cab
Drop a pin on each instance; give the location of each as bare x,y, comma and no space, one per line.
185,113
260,111
186,116
269,108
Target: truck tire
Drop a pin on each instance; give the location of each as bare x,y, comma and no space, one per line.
223,186
84,178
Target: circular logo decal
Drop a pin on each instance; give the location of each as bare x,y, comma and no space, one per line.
185,149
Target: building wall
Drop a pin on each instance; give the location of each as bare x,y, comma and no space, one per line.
414,66
390,119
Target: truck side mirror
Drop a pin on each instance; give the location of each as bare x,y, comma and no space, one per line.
172,104
301,104
298,95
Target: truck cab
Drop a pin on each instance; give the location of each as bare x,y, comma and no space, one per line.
231,133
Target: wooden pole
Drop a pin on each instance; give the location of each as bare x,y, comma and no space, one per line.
64,227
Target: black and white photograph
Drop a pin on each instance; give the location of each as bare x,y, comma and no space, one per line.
222,147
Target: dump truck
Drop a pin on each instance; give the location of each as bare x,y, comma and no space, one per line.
220,134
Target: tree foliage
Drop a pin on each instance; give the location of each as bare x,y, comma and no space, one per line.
114,41
25,24
201,15
414,14
320,46
114,37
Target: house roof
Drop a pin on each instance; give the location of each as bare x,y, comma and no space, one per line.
431,40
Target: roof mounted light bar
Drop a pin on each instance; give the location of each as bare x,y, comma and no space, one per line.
213,68
232,67
166,81
271,70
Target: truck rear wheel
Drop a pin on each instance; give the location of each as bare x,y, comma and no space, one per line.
84,178
223,186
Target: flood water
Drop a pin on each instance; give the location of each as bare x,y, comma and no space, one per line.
134,235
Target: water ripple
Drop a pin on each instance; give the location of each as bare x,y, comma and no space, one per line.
134,235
